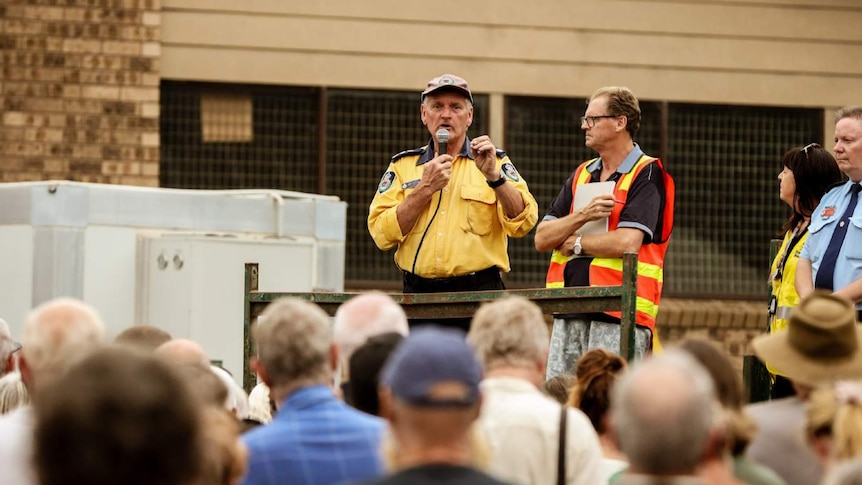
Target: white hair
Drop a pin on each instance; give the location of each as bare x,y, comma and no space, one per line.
13,393
7,345
237,399
57,332
365,316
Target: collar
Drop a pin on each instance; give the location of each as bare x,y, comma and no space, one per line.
625,167
306,397
428,151
511,385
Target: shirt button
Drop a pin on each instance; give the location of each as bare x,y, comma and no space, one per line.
439,234
445,189
442,213
439,259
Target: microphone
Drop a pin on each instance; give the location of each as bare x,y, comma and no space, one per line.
442,141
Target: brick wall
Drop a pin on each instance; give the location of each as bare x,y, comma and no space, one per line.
79,90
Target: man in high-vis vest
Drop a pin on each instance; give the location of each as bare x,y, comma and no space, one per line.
639,214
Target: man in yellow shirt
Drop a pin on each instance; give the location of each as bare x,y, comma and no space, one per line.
450,214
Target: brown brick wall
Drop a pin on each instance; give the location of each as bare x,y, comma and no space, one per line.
79,90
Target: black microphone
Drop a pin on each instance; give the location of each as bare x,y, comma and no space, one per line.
442,141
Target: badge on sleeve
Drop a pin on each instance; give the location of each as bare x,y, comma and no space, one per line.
386,181
509,171
828,212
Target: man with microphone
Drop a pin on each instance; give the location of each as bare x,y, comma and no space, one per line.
450,205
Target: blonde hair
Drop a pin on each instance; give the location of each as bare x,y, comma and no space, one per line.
13,392
836,411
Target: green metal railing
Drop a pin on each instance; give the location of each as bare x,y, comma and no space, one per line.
455,305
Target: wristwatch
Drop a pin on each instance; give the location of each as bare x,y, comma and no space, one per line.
577,249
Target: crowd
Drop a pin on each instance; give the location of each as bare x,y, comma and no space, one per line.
368,397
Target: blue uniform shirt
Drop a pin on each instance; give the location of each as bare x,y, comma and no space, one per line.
824,219
314,439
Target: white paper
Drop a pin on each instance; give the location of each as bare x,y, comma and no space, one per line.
583,195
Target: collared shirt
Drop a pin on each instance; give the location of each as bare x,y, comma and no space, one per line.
522,426
641,211
463,229
314,439
16,447
824,220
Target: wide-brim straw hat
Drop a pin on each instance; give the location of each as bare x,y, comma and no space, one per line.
822,343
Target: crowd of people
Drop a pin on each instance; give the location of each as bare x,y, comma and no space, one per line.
501,397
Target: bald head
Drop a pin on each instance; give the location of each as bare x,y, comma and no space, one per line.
55,334
144,337
184,352
366,315
665,433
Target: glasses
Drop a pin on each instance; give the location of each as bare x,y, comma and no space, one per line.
591,120
810,146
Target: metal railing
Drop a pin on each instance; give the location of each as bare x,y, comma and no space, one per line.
585,299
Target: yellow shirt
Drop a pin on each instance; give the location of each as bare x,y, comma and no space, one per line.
469,232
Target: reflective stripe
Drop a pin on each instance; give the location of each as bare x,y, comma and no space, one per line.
556,284
646,306
783,312
558,257
644,269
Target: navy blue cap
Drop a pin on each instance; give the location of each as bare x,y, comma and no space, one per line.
433,367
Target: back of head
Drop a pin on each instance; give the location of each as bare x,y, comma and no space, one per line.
293,339
13,393
144,337
835,410
510,331
55,334
205,386
814,170
365,366
559,387
666,432
237,399
225,456
846,473
622,102
183,352
363,316
119,416
595,374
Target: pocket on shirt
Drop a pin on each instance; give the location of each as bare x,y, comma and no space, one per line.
481,206
814,228
853,239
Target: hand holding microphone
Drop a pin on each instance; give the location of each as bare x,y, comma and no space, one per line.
436,173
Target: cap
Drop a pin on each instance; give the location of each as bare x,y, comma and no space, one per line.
449,82
433,367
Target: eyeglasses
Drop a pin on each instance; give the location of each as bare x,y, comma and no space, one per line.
810,146
591,120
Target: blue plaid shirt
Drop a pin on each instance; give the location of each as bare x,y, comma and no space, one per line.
315,439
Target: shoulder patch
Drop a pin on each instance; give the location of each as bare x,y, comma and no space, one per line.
407,153
386,181
510,172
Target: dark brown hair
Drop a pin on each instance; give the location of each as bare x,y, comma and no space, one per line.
595,374
814,171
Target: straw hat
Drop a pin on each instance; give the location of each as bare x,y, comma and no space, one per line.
823,341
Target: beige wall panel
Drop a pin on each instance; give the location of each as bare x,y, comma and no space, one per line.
570,80
506,43
785,19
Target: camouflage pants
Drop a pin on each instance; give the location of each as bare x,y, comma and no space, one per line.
571,338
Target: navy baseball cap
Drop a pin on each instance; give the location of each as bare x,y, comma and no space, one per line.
433,367
448,82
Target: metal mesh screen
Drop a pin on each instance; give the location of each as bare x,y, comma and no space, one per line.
282,152
364,130
725,160
546,143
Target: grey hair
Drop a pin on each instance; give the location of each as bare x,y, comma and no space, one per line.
7,345
59,331
364,316
13,393
848,112
293,340
510,331
664,410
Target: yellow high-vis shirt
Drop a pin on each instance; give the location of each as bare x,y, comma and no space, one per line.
470,230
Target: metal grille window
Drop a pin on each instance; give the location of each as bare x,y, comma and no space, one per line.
281,153
364,130
725,160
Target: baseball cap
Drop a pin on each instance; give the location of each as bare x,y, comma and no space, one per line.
433,367
449,82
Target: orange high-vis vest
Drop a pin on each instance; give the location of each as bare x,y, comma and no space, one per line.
609,271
